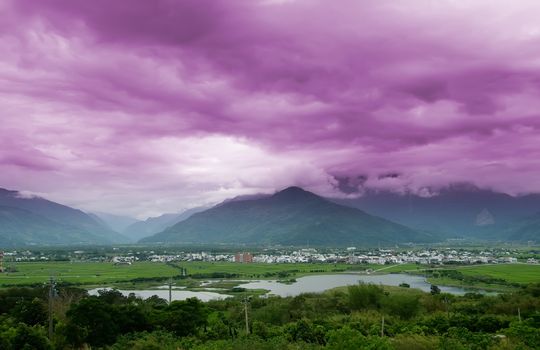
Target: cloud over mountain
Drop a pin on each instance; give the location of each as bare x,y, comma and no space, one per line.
104,102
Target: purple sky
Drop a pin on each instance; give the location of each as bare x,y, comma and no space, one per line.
143,107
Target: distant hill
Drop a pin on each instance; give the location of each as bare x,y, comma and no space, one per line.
459,210
117,223
151,226
47,222
289,217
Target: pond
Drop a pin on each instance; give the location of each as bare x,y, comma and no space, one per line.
321,283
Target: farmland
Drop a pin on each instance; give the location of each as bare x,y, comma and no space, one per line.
498,277
98,273
501,276
513,273
94,273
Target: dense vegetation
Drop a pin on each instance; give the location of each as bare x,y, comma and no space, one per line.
357,317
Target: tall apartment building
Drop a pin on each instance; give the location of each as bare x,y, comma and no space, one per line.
243,257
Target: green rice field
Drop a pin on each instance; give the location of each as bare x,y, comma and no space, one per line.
96,273
101,273
83,272
513,273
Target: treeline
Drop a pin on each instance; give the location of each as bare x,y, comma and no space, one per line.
357,317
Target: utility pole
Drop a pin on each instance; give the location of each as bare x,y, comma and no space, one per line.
382,327
51,296
170,290
246,302
519,314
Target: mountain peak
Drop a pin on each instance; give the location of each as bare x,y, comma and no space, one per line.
295,193
293,189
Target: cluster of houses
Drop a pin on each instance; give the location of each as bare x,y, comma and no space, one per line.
202,256
308,255
382,257
24,255
435,257
349,255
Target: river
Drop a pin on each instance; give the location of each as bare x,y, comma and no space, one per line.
306,284
321,283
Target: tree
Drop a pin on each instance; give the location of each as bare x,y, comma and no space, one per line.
351,339
345,339
131,318
365,296
525,333
184,317
111,296
415,342
93,321
405,306
31,312
306,331
158,340
30,338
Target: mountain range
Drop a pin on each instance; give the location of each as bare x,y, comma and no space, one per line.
456,211
289,217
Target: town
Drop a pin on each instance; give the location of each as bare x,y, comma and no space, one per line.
350,255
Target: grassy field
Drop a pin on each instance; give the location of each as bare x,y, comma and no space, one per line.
507,276
261,270
397,268
514,273
84,272
104,273
99,273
